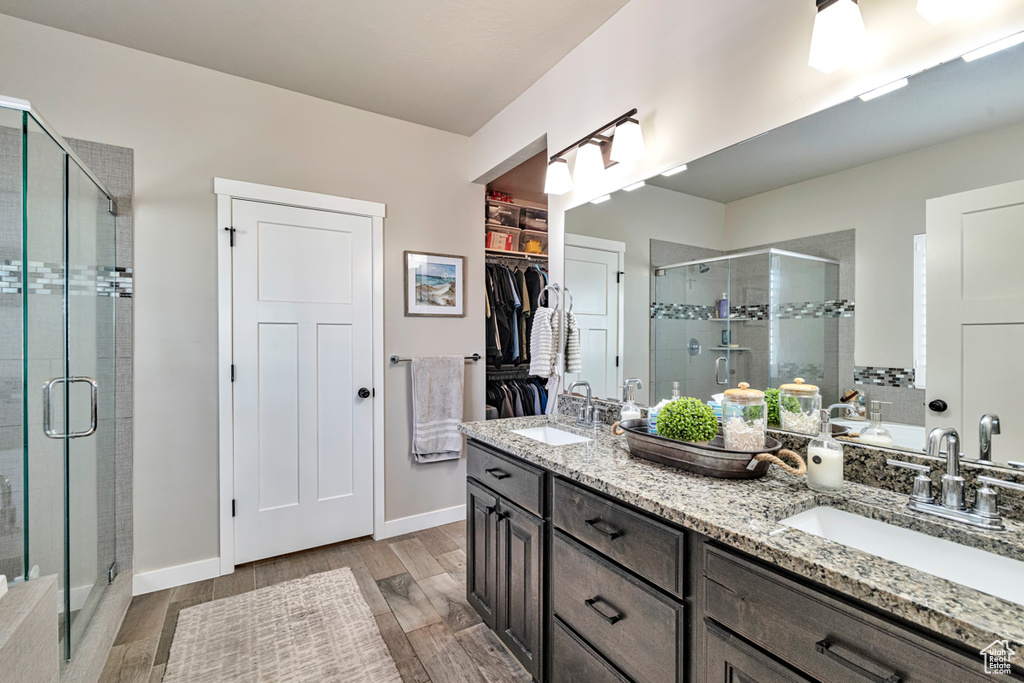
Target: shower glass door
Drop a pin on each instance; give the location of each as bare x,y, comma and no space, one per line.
69,393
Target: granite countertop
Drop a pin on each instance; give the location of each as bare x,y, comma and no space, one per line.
744,514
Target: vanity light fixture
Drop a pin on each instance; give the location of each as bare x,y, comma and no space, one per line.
628,143
675,169
885,89
558,179
839,35
625,144
600,200
634,186
589,164
992,48
938,11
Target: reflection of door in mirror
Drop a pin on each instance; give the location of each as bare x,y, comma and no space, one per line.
975,313
592,268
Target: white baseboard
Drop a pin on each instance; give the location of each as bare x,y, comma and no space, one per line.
407,525
159,579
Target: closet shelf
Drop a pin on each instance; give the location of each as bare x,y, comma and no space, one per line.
515,254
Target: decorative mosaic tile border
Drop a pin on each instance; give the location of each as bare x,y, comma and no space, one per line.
811,372
835,308
48,278
884,377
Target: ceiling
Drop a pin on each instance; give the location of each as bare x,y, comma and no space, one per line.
945,103
448,64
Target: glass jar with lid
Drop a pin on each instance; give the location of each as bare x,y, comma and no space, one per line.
799,404
744,414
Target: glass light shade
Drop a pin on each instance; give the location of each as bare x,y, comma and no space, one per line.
938,11
589,165
628,143
558,179
839,36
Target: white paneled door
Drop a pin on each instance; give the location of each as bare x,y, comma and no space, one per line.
302,317
592,268
975,312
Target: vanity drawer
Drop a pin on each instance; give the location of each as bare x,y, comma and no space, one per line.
645,547
518,482
634,627
830,640
574,661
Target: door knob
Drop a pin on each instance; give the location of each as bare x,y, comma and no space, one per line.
364,393
937,405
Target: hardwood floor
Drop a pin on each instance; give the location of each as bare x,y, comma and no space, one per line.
414,584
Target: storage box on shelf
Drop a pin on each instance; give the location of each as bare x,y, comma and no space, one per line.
500,213
533,242
533,219
503,239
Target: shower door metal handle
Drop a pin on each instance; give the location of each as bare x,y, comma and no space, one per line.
94,391
718,370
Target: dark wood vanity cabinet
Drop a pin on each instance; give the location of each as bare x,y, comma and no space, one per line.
505,552
582,588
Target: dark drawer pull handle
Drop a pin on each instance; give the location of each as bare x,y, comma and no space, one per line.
610,619
498,474
491,509
608,531
824,647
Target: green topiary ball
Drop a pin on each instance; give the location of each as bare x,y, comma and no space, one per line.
687,419
771,397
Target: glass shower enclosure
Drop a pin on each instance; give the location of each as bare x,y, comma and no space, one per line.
779,322
57,437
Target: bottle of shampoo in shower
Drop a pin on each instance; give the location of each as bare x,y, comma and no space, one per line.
723,306
825,459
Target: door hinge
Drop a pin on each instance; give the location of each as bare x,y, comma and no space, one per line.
111,207
616,361
618,276
231,235
111,572
232,372
232,507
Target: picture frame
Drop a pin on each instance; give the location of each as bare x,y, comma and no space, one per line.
435,285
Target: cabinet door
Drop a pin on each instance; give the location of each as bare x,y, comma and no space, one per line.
482,551
520,617
727,659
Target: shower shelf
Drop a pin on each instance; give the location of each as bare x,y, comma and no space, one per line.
727,320
728,348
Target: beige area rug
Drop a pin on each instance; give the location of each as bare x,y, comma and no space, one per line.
317,628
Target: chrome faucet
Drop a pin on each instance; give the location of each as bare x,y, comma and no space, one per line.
988,426
587,417
843,406
627,388
985,514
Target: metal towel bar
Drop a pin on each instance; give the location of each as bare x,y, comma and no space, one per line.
395,360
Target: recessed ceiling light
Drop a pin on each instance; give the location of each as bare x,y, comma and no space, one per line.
672,171
600,200
838,36
885,89
634,186
995,47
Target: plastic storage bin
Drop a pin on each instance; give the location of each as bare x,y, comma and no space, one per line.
505,215
533,219
533,242
502,238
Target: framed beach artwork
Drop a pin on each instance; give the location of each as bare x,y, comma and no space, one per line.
435,285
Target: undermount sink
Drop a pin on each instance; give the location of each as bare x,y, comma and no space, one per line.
983,571
551,436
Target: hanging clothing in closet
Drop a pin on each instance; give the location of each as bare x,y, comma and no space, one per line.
517,397
511,297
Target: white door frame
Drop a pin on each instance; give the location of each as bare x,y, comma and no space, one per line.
601,244
226,190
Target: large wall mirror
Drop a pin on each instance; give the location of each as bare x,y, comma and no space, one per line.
873,249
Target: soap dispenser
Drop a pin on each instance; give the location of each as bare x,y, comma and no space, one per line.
630,410
825,459
876,434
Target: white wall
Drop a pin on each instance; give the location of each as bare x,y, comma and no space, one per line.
885,203
636,218
187,125
705,75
